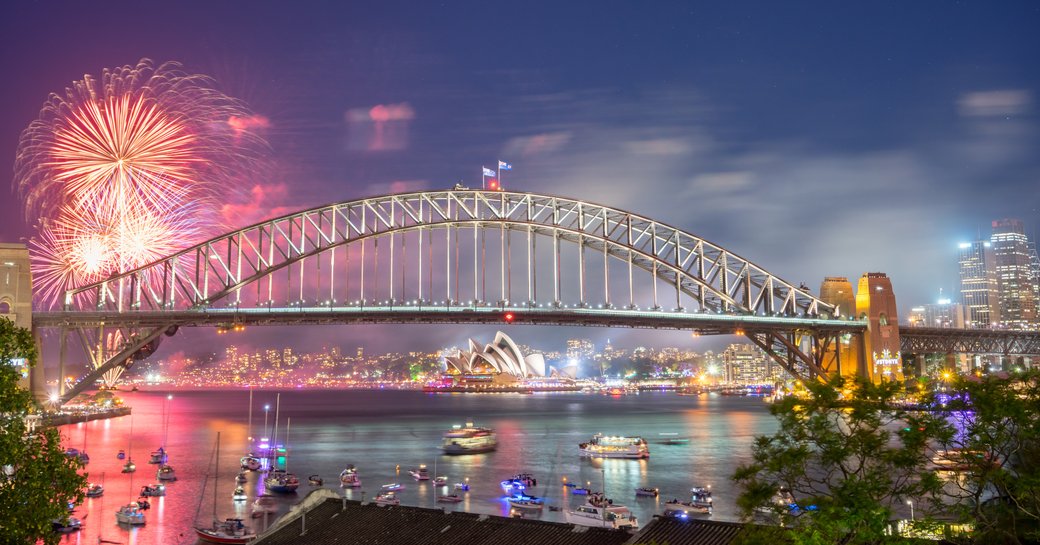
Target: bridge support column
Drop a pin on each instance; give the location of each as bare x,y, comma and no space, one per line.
16,305
876,302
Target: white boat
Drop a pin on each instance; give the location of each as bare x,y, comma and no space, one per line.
392,487
158,456
450,498
165,473
265,503
527,503
239,494
610,446
388,498
700,503
440,480
464,487
647,491
518,483
469,440
349,477
250,462
599,511
420,474
95,490
131,514
156,490
230,531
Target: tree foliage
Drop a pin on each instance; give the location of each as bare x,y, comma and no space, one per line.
997,419
847,455
37,480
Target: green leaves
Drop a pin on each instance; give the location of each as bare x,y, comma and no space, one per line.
44,479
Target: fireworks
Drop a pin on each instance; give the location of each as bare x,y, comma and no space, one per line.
126,169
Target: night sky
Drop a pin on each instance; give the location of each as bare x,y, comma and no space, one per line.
815,138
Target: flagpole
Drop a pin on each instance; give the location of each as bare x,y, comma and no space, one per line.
483,178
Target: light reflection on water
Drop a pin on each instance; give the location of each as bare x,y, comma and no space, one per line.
381,430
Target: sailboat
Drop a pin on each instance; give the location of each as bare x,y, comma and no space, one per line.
131,513
231,530
280,480
250,461
165,471
130,466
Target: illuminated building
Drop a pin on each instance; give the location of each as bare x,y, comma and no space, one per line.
979,291
748,364
1014,273
578,349
500,357
945,314
916,317
837,291
876,303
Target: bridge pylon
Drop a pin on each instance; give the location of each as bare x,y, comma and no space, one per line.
16,305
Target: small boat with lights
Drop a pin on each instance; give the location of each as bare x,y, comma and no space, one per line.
599,511
349,478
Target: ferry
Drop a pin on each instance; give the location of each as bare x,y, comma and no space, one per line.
599,511
230,531
349,477
602,446
420,474
469,440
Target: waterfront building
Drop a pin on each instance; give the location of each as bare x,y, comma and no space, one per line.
500,357
978,282
944,314
747,364
1014,272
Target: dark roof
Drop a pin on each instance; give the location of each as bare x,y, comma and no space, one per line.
334,522
675,531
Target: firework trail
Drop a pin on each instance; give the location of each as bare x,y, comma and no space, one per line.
128,168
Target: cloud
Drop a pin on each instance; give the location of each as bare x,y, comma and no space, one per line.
383,127
265,201
660,146
536,144
998,103
721,182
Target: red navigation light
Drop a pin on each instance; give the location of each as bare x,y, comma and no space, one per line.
492,184
509,317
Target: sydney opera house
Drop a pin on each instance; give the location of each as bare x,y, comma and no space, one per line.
502,361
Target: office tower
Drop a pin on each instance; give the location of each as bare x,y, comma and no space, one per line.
979,283
747,364
944,314
1014,272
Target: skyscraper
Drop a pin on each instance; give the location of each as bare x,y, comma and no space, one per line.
1014,274
979,283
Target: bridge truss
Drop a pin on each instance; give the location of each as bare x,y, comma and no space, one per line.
438,255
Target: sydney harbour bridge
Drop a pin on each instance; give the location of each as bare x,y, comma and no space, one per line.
476,256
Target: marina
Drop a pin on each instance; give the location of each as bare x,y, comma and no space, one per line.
382,434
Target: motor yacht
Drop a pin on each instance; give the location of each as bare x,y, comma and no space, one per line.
129,467
166,473
647,492
700,504
463,487
518,483
469,440
250,462
611,446
158,456
392,487
150,490
229,531
95,490
599,511
131,514
239,494
349,478
526,503
420,474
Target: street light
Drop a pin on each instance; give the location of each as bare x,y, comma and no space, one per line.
911,504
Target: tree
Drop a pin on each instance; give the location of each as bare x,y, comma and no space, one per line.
998,445
844,457
38,480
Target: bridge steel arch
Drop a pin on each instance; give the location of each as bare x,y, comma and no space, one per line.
211,277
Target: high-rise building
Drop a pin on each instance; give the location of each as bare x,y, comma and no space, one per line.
945,314
1014,271
916,317
979,291
746,364
578,349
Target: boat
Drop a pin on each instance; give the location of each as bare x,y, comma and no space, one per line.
66,526
158,456
166,473
349,478
280,480
580,491
518,483
129,467
527,503
149,490
450,498
130,514
239,494
95,490
388,498
241,478
672,438
469,440
603,446
647,491
315,480
464,487
78,454
250,462
420,474
959,459
700,503
143,503
440,480
600,511
265,503
121,455
228,531
392,487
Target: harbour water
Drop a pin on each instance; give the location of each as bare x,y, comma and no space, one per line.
386,433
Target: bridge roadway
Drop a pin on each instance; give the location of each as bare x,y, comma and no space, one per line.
705,323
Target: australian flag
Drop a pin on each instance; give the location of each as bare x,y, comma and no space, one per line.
502,165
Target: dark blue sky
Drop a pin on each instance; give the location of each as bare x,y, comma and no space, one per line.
816,138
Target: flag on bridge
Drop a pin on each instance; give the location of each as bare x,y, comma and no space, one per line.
502,165
489,172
